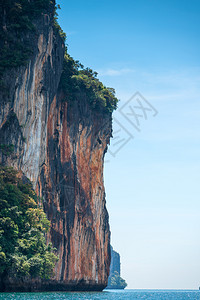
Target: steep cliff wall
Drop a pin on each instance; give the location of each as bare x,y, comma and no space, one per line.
115,265
24,108
59,144
71,182
114,279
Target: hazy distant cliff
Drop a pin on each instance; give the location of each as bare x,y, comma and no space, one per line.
114,279
115,265
58,132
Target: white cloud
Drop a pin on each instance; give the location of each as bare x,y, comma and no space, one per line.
69,33
115,72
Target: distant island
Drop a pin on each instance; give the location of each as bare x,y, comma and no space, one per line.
114,279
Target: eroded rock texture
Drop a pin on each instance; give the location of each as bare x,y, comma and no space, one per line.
59,145
71,182
24,109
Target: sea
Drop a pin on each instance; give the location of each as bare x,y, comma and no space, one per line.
107,295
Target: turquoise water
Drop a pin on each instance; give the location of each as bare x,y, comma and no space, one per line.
107,295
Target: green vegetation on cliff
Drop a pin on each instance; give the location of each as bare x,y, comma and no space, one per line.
77,80
116,282
16,27
23,224
17,32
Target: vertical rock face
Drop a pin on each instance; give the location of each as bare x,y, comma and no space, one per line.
25,108
60,146
114,279
71,182
115,265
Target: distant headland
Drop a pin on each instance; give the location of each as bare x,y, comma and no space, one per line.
114,279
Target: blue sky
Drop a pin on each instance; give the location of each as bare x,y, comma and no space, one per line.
152,184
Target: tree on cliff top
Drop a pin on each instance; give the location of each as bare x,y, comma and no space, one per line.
23,224
77,80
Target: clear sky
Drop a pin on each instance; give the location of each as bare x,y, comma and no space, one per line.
153,182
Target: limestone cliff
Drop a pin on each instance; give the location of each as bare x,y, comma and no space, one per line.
71,182
59,145
30,89
115,265
114,279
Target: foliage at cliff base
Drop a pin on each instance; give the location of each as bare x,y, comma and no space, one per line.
23,224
